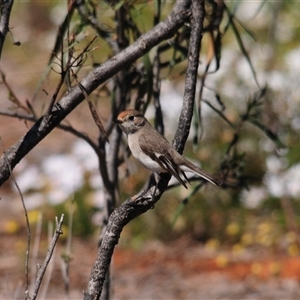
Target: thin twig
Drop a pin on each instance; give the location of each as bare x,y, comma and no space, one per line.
159,123
91,19
27,224
12,96
63,74
94,113
50,267
72,61
66,256
57,46
42,270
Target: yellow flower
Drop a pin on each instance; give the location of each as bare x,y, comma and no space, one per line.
247,239
275,268
33,216
256,268
293,250
238,248
11,227
222,261
233,229
265,228
212,244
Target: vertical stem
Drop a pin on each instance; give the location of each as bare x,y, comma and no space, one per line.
5,10
198,13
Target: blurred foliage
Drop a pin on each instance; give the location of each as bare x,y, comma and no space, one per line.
77,208
81,213
246,118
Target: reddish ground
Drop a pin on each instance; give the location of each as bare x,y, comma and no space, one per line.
182,270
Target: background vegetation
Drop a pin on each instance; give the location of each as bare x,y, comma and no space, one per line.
246,119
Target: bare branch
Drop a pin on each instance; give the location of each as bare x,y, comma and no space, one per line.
64,127
12,96
90,18
5,10
128,210
95,114
185,119
27,223
46,280
42,270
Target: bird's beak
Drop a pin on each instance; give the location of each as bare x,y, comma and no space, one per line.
118,121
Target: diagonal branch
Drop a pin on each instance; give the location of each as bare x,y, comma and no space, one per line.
70,101
121,216
64,127
42,270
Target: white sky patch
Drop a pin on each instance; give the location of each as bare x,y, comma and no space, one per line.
247,10
57,196
30,179
85,155
64,173
58,13
285,183
278,81
88,159
59,175
99,199
293,181
35,199
292,60
275,164
285,31
95,180
171,104
296,123
253,197
275,185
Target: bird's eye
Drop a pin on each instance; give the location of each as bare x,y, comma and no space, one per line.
131,118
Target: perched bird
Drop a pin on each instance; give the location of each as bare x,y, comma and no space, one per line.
154,152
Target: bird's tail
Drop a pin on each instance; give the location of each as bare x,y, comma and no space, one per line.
192,168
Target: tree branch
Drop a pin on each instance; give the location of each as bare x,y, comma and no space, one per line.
137,205
42,270
5,10
70,101
64,127
186,115
128,210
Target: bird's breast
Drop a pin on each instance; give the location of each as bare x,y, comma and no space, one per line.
143,158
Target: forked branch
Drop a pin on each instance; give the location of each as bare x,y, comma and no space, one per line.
138,205
70,101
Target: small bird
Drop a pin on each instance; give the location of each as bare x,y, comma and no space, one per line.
154,152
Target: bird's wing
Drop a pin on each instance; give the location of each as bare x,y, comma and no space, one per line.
159,153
